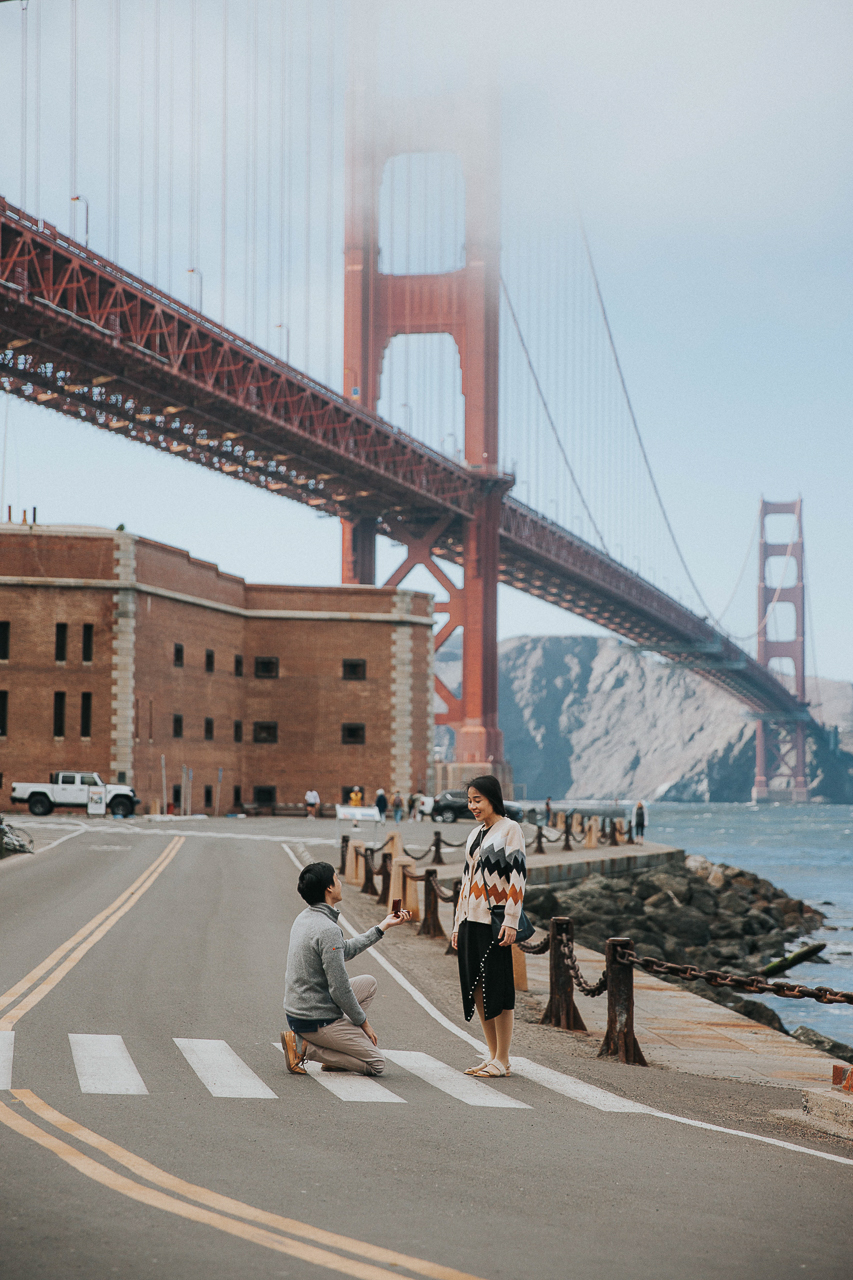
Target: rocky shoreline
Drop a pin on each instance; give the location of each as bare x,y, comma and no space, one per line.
707,914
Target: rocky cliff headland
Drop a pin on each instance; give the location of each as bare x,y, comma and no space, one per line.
584,716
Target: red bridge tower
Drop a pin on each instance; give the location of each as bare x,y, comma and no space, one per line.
780,747
466,304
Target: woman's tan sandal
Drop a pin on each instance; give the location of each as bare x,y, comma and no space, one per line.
490,1071
475,1071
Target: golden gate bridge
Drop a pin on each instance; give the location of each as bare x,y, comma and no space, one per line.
496,335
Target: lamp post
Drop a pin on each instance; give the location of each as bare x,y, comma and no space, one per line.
84,201
196,271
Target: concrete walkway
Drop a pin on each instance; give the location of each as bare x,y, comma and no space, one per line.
683,1031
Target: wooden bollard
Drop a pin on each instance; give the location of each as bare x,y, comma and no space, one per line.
431,926
591,837
352,874
385,871
457,889
567,834
540,848
342,869
519,969
561,1010
619,1040
403,888
437,860
630,839
369,885
613,840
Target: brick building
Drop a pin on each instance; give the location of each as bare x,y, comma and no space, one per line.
128,657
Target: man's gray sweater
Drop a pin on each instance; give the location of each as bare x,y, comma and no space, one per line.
316,986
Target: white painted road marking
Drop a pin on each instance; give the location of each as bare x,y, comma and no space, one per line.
221,1071
7,1049
448,1080
351,1088
103,1065
570,1087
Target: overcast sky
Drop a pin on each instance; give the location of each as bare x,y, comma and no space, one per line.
708,151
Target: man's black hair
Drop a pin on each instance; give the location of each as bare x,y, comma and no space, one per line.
314,880
488,786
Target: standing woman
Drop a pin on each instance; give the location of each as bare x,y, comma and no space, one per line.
495,875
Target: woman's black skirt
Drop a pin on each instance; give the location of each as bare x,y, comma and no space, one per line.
483,961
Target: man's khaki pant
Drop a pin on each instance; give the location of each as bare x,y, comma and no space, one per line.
342,1043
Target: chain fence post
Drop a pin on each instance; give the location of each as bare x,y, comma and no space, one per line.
540,848
437,860
561,1010
614,838
567,833
369,885
457,890
342,869
619,1040
630,839
384,899
431,926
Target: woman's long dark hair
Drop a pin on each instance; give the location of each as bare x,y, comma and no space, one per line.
488,786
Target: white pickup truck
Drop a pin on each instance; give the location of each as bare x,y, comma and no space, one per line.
73,789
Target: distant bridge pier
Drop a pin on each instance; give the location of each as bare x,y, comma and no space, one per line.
780,744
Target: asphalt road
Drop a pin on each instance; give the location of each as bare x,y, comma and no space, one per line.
320,1185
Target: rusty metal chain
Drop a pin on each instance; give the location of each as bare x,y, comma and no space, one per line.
452,844
412,875
445,895
534,948
417,856
588,989
755,985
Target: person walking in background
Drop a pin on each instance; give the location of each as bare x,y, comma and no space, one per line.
397,802
549,813
381,804
639,821
495,875
312,802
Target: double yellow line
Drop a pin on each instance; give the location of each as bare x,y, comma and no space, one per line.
82,942
209,1208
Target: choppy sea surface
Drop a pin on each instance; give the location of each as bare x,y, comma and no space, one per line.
807,850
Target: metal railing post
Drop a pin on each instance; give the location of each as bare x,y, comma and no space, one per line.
384,899
437,860
619,1040
431,926
342,869
457,889
369,887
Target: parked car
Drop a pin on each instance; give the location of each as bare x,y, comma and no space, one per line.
72,789
450,806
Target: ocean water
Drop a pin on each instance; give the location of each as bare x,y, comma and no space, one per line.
807,850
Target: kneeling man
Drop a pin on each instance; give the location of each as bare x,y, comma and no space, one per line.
325,1011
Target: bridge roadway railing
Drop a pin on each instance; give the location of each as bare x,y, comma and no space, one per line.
81,336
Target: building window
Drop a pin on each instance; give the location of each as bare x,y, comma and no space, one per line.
177,726
265,731
5,628
1,781
150,716
238,799
209,658
179,655
238,730
88,641
85,715
176,795
355,669
121,777
266,668
208,797
61,641
265,796
208,729
4,712
59,715
238,664
352,735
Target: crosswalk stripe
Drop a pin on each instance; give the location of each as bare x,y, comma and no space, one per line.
221,1071
448,1080
351,1088
7,1048
103,1065
570,1087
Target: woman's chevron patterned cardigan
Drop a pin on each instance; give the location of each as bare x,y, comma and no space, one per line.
498,865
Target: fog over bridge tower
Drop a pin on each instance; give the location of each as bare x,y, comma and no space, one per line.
381,303
780,745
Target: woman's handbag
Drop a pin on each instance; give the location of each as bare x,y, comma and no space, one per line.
524,930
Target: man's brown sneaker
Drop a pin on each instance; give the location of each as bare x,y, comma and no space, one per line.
292,1056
